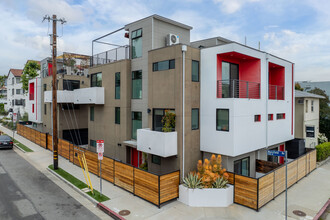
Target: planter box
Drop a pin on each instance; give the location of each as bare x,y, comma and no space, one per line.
206,197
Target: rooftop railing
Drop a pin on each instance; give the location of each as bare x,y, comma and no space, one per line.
120,53
238,89
276,92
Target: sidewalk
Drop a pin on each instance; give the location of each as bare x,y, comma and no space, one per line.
308,195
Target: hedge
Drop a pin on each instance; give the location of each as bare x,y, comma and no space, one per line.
323,151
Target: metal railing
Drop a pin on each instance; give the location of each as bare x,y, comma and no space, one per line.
120,53
276,92
238,89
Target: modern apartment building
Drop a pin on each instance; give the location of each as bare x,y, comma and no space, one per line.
35,102
307,112
16,99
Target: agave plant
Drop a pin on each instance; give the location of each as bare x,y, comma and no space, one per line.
192,181
219,183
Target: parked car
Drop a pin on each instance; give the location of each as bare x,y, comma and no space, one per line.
6,142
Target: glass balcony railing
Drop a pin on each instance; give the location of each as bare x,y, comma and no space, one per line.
120,53
238,89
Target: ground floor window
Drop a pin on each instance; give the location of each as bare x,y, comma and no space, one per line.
242,166
273,158
310,131
155,159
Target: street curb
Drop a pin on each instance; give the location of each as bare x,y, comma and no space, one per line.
322,210
74,187
19,148
323,162
109,212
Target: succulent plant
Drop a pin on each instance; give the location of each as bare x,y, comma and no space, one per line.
192,181
220,183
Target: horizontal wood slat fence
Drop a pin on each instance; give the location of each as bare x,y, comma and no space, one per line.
257,192
156,189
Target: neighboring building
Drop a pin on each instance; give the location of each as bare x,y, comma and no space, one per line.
307,112
308,86
16,97
35,102
3,95
238,101
72,79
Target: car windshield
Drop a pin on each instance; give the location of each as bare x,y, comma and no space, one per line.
5,138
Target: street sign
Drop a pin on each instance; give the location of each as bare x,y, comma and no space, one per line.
100,156
15,117
276,153
100,146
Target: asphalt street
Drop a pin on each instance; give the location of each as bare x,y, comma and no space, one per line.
26,193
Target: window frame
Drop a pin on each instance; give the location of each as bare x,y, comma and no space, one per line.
153,157
312,105
216,126
95,75
257,118
45,109
170,65
91,113
306,132
67,84
134,78
271,117
117,115
192,72
194,109
248,168
280,116
117,85
136,34
140,113
92,143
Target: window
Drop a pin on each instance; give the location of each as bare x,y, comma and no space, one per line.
158,115
32,108
155,159
12,80
194,119
230,76
280,116
242,166
137,84
310,131
70,106
117,85
195,71
257,118
222,119
45,109
306,106
92,143
312,106
13,91
71,84
18,91
18,80
117,115
91,116
19,101
137,43
13,102
45,87
163,65
270,117
96,80
136,123
273,158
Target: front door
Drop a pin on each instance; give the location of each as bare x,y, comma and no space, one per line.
136,157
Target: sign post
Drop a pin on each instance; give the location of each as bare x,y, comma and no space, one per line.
283,154
100,151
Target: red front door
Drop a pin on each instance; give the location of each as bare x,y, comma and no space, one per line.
136,159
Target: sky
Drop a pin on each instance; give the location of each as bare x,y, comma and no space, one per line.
298,31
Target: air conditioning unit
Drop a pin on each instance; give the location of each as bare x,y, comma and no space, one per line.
172,39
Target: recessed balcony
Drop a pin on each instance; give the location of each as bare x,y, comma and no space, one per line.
162,144
238,89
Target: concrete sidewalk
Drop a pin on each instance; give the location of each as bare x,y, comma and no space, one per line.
308,195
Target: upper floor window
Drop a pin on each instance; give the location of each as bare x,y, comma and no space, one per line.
136,123
194,119
306,107
310,131
136,43
270,117
45,87
18,91
137,84
96,80
280,116
18,80
163,65
222,120
91,116
312,106
117,115
257,118
195,71
13,80
13,91
117,85
70,84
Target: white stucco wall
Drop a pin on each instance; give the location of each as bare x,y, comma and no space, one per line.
36,115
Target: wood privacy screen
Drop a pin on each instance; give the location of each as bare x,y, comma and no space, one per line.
153,188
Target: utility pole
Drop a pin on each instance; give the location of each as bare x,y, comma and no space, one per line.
54,89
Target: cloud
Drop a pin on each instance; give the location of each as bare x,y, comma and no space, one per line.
232,6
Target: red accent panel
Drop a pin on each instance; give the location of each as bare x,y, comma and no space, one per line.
32,108
50,69
292,100
31,91
276,78
136,157
281,158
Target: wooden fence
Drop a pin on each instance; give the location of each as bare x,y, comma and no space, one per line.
153,188
257,192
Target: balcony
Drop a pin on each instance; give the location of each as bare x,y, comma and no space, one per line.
276,92
62,96
238,89
120,53
163,144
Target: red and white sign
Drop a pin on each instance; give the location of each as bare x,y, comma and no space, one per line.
15,117
100,156
100,146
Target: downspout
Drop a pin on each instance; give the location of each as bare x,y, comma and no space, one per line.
267,96
184,49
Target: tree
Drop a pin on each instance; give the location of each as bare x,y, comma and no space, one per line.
2,80
298,87
30,72
324,112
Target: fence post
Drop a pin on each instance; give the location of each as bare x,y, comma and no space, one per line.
159,192
258,195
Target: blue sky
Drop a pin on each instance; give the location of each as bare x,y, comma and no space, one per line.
295,30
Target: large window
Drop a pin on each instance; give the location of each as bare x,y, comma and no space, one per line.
91,117
137,43
117,85
195,71
117,115
163,65
242,166
312,106
96,80
158,115
137,84
222,119
18,91
136,123
194,118
71,84
310,131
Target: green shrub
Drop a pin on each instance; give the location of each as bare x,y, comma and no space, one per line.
220,183
323,151
192,181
